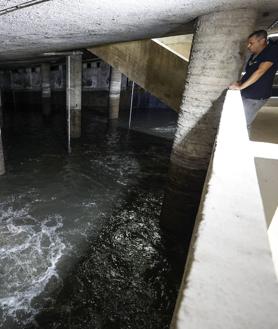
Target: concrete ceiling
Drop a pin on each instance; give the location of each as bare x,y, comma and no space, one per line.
58,25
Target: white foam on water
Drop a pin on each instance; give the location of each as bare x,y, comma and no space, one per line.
164,129
29,252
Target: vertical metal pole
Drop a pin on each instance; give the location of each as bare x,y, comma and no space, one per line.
131,105
68,102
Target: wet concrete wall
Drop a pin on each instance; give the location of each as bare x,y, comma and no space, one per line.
95,76
26,86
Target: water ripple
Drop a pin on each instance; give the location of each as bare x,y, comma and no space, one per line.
29,252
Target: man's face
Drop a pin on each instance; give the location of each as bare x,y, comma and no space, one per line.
256,44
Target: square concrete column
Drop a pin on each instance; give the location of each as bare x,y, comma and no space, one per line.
216,60
74,93
45,80
46,89
115,94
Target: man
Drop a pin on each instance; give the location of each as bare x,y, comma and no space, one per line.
256,83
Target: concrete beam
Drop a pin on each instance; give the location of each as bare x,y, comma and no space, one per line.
180,44
155,68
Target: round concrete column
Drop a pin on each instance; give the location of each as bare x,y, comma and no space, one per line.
216,60
114,94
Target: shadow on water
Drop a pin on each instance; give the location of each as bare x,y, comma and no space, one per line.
83,246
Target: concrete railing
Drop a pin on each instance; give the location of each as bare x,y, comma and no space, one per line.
229,279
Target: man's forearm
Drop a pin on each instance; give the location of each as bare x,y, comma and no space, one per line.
254,78
257,74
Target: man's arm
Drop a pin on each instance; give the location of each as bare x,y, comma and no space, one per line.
264,66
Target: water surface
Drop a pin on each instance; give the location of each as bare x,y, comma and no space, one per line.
80,244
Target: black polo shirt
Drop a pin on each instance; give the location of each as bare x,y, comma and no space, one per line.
262,88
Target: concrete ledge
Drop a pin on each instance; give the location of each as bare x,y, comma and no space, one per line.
229,280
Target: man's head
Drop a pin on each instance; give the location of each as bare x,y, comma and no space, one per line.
257,41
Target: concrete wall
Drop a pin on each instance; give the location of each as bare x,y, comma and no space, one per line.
229,279
95,77
28,79
264,142
95,86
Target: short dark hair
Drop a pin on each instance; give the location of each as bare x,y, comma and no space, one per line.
259,34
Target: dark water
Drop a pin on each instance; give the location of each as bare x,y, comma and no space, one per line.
80,244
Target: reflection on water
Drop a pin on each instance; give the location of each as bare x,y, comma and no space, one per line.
80,243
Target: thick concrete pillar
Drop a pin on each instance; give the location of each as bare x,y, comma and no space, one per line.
74,93
216,60
114,94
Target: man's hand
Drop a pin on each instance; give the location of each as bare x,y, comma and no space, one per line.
235,86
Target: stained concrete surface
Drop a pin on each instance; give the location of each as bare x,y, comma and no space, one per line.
66,24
